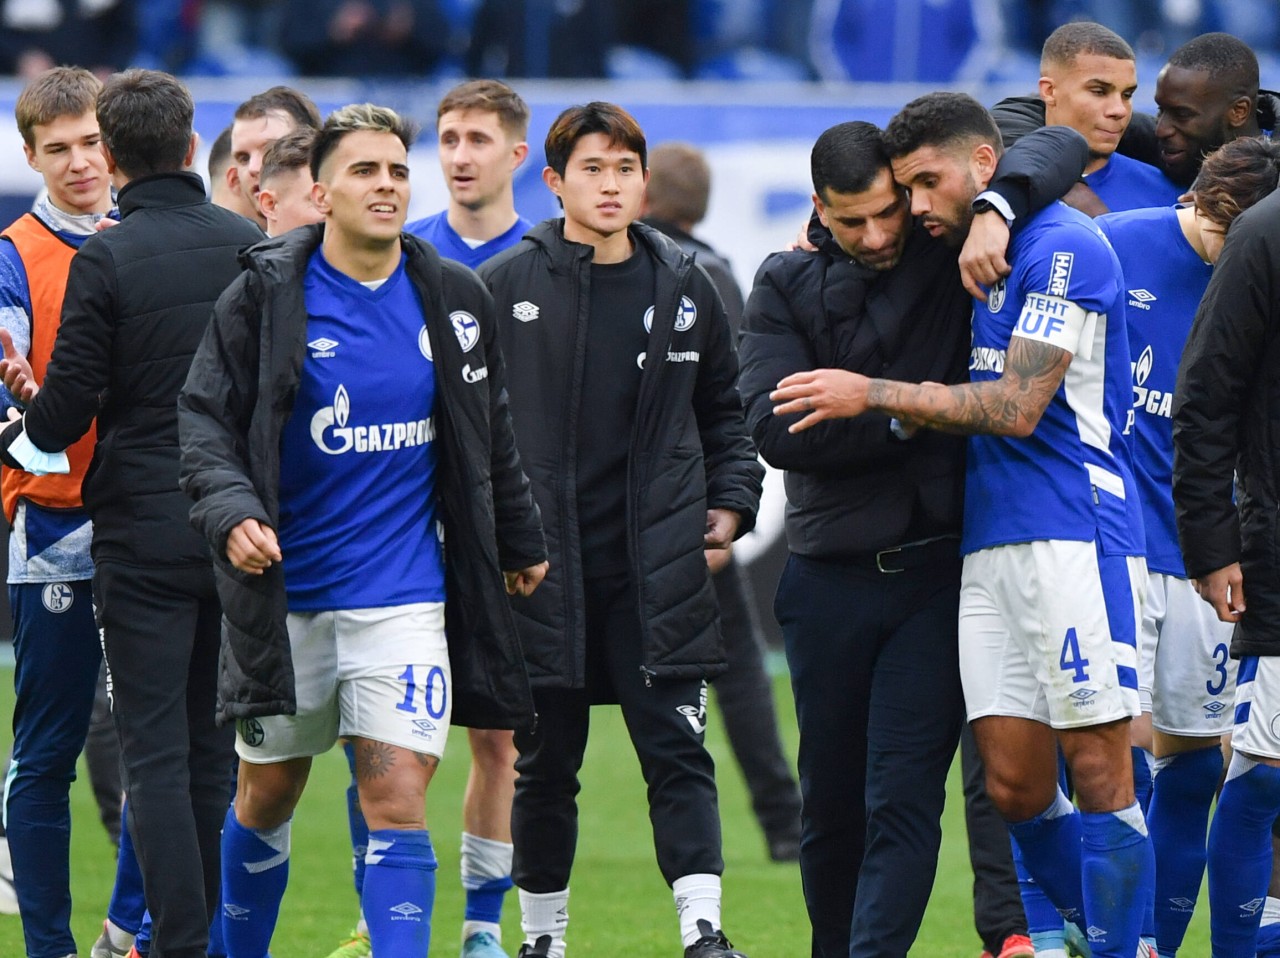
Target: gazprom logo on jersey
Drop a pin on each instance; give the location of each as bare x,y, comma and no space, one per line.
1060,274
465,328
330,432
686,316
1154,401
984,359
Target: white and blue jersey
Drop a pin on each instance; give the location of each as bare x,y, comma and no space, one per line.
358,522
1129,184
1164,280
437,231
1071,478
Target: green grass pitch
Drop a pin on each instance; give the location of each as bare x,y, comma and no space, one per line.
619,904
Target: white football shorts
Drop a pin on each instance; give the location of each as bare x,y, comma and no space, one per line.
1186,676
1048,631
381,674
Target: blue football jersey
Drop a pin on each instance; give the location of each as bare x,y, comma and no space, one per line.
1072,477
1164,280
1129,184
437,231
358,456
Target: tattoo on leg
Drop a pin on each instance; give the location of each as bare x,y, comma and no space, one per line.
426,761
373,760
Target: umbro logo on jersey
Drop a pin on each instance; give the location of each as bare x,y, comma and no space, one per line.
407,911
525,311
1141,298
322,348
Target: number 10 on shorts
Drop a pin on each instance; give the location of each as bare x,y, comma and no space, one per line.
1071,660
435,694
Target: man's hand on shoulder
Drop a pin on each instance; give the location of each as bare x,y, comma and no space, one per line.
820,394
252,547
983,259
1224,590
524,581
16,372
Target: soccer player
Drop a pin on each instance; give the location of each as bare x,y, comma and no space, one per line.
55,639
285,183
224,187
481,127
627,416
1207,95
1225,450
1088,79
260,121
138,299
1052,581
1167,256
327,499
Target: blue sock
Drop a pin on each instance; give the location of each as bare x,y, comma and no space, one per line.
142,941
484,902
255,870
1041,915
1178,820
399,892
1050,847
1240,856
1118,869
355,822
1141,777
127,903
1269,930
486,878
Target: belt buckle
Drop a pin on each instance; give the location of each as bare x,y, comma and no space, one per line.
880,560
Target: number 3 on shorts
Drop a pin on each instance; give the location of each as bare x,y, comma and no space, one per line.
436,696
1070,660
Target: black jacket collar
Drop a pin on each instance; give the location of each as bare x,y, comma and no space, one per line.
160,190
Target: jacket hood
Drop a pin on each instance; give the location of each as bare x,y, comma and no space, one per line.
1268,110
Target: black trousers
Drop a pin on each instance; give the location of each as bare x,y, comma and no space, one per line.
745,697
666,719
997,903
161,630
875,671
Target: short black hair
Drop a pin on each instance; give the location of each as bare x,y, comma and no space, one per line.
847,158
940,120
145,117
1082,38
578,122
1223,56
281,99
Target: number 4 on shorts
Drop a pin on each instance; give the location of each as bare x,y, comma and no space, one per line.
1071,660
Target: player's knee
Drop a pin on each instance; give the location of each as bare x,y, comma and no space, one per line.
493,751
267,800
1101,785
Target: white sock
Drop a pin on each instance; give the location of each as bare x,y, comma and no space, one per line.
120,939
1271,911
697,897
545,915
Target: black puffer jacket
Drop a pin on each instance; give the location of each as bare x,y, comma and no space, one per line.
138,301
689,449
231,412
1226,426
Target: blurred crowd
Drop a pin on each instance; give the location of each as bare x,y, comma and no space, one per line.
929,40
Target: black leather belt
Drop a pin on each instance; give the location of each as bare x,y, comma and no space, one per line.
908,555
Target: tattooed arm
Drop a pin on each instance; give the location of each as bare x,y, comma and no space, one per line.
1008,406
